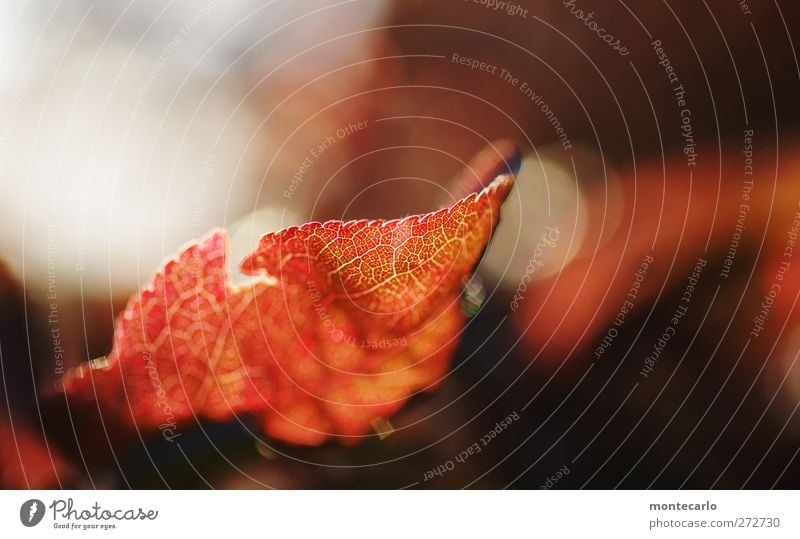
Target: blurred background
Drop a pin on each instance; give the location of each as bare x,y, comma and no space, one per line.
652,341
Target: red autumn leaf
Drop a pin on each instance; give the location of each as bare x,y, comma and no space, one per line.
339,325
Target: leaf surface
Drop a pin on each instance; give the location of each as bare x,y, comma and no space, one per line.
339,324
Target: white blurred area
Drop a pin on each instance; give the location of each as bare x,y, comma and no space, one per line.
130,128
562,207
